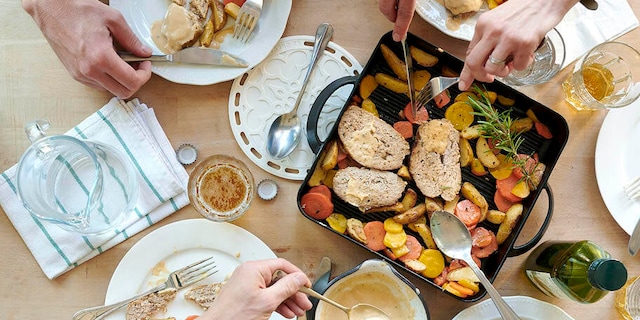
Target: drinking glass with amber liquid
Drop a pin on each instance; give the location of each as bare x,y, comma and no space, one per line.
608,76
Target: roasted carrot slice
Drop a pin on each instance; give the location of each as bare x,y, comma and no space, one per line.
501,202
422,114
415,249
543,130
316,205
483,252
506,185
442,99
405,128
375,232
481,237
468,212
321,189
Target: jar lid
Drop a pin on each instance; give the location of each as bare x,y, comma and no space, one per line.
607,274
187,154
267,189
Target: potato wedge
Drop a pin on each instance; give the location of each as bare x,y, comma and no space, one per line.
207,34
411,215
330,159
470,192
472,132
464,96
409,200
450,206
425,233
433,204
355,229
509,222
415,265
396,207
370,106
232,10
420,79
367,86
495,216
521,125
404,173
328,178
466,152
462,273
318,174
396,64
392,83
423,58
485,154
504,169
218,15
477,168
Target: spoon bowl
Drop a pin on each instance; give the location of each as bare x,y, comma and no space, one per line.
284,133
454,240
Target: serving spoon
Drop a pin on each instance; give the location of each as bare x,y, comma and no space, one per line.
361,311
454,240
284,133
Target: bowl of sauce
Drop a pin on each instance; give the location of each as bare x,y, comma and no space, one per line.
377,283
221,188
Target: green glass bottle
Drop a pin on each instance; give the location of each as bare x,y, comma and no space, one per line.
580,271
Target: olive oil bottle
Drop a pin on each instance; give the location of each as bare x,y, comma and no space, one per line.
580,271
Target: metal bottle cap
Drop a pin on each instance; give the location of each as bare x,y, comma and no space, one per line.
267,189
187,154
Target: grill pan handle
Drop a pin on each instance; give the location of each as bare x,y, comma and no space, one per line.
314,113
518,250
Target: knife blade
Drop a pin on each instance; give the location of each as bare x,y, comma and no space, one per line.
409,65
192,55
634,241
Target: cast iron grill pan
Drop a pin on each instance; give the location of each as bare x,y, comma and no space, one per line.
389,104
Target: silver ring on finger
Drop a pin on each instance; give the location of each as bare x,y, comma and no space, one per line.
498,62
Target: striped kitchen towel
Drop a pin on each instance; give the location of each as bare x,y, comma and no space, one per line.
132,128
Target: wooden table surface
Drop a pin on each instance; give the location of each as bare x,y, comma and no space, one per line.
34,84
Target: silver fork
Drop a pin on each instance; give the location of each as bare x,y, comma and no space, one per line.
247,19
178,279
632,190
433,88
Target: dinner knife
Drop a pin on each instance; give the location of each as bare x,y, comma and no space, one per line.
192,55
409,65
634,241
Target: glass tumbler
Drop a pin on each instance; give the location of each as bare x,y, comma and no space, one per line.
608,76
547,61
221,188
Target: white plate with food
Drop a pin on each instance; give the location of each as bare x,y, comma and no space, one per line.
526,307
434,12
174,246
141,14
616,162
270,89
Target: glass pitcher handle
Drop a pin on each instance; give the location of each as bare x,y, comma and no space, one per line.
35,129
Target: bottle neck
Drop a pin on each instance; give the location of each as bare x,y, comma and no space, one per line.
607,274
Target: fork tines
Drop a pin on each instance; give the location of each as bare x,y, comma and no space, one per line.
247,19
423,96
197,271
632,190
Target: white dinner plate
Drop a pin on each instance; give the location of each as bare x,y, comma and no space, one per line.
177,245
270,89
616,162
526,307
140,14
436,14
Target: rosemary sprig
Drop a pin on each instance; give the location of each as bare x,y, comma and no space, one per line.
497,126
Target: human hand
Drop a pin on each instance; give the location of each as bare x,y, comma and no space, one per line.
506,37
82,34
250,293
399,12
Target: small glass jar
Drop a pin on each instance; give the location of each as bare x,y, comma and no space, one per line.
627,299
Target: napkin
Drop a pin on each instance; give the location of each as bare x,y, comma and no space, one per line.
132,128
582,29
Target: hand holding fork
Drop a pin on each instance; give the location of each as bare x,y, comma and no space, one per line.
178,279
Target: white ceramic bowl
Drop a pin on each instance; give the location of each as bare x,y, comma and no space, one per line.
375,282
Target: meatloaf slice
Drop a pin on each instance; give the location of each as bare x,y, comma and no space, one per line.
368,188
370,141
435,160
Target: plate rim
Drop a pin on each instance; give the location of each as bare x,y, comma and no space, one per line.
483,309
608,167
187,230
423,7
179,73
